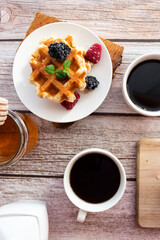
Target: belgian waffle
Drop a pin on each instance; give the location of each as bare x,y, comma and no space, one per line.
47,85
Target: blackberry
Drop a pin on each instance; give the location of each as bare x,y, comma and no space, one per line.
59,51
91,82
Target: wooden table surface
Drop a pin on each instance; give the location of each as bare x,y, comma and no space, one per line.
39,175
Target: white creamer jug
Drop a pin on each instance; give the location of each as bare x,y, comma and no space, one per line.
27,220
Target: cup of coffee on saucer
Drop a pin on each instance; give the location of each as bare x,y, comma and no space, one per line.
141,85
94,181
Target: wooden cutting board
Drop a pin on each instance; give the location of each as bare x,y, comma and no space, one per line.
148,182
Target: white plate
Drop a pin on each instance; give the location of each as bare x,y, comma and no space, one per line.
45,108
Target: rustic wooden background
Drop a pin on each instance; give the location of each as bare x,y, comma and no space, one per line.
134,24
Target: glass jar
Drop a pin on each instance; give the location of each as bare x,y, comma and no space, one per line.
18,136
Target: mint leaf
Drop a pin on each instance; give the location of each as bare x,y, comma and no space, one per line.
50,69
60,74
68,73
67,64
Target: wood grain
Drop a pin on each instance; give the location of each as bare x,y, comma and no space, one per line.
116,223
132,24
109,19
148,179
114,103
56,147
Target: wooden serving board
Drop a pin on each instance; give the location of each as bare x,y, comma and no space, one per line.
148,182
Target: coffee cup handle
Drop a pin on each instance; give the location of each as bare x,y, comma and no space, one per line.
81,216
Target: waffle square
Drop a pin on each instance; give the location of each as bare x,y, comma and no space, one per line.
47,85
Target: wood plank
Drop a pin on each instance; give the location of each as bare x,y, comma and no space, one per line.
118,222
114,103
110,19
148,174
117,134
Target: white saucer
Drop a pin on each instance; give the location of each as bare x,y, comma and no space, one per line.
45,108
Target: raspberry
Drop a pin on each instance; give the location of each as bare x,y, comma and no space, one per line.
94,53
59,51
70,105
91,82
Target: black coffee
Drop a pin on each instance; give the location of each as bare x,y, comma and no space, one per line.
95,178
143,85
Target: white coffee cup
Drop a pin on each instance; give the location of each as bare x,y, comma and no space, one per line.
84,206
149,56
